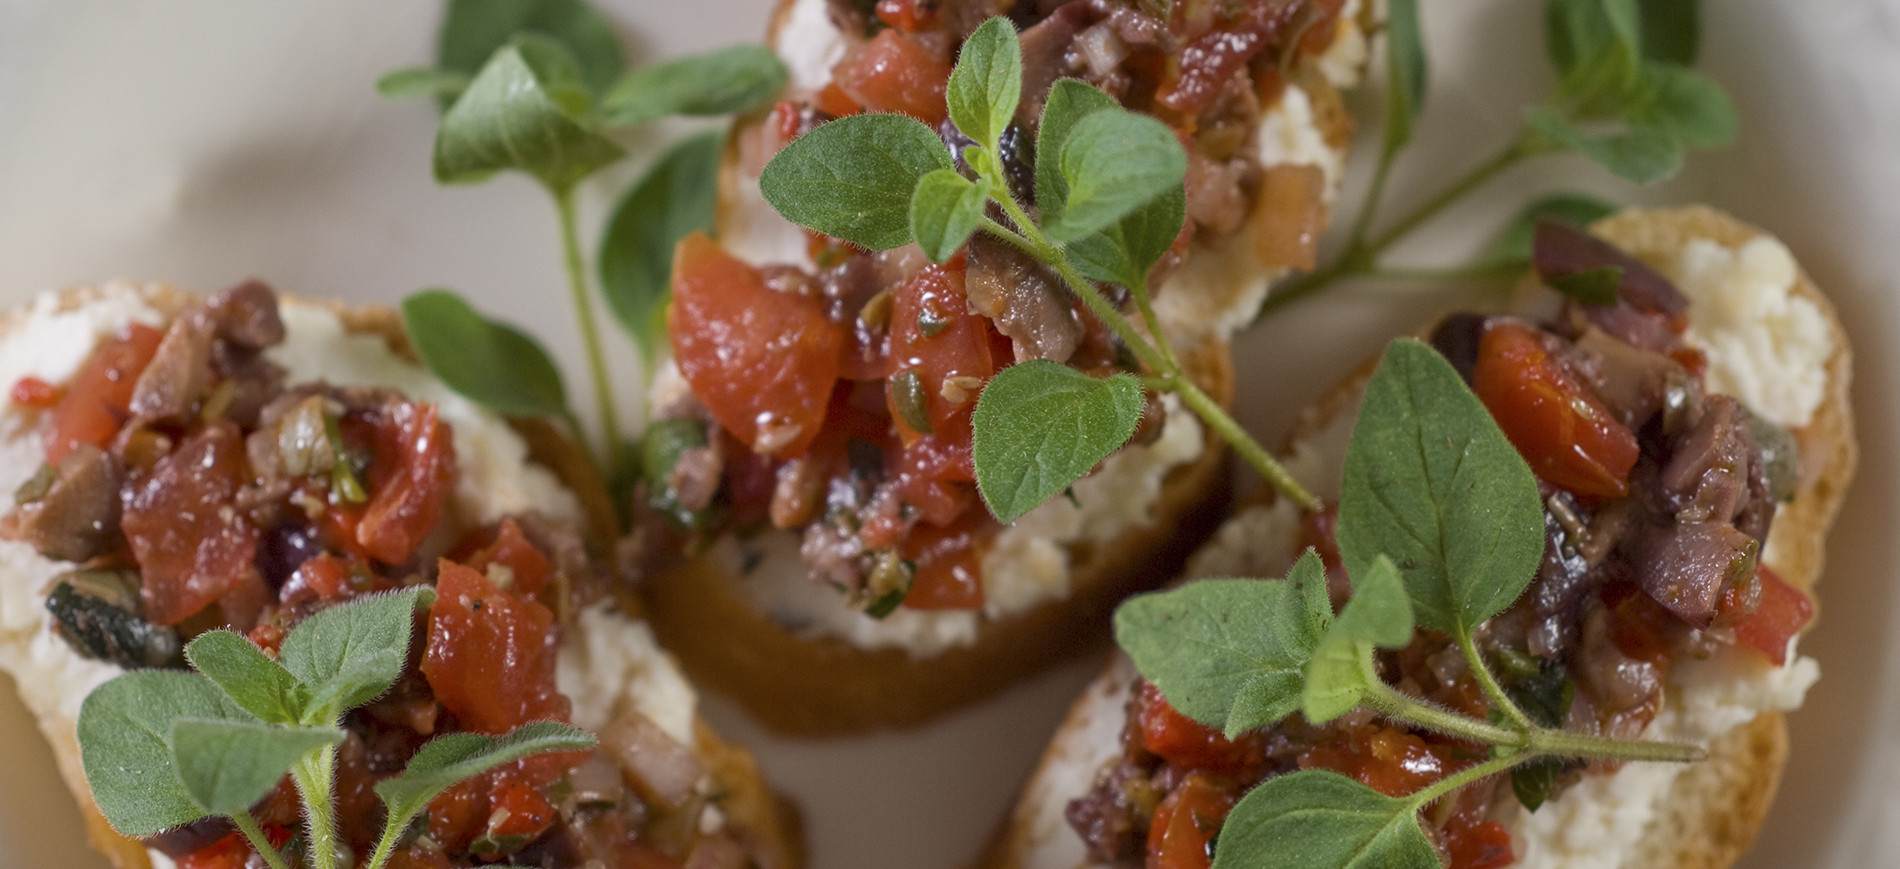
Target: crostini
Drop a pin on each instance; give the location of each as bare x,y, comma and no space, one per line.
1715,388
851,577
176,464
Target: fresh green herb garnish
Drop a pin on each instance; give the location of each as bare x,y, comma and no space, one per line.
1626,99
163,748
1439,527
541,87
1085,418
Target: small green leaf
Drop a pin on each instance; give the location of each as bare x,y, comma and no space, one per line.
1040,425
1123,252
448,759
679,195
1534,780
944,210
1229,653
1316,819
1640,154
1432,483
987,82
1070,100
125,729
1592,287
1672,30
720,82
1686,106
491,363
1513,247
1378,615
350,653
1114,162
257,683
227,766
1596,46
852,178
422,81
523,112
1405,72
473,29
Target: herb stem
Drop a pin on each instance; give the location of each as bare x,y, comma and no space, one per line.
1582,745
1483,271
393,827
1031,241
1362,224
1393,704
1465,776
247,824
590,333
314,776
1489,683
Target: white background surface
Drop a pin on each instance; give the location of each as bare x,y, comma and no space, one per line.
205,141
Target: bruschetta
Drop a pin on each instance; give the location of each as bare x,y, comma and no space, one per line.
1718,382
851,578
176,464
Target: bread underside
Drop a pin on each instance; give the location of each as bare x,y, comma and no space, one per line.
1713,809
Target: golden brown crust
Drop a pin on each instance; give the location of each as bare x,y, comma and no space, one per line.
766,825
829,686
1714,809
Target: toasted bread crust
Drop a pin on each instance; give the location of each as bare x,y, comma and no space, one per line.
1714,809
767,825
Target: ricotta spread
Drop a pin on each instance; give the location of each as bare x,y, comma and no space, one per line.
1767,346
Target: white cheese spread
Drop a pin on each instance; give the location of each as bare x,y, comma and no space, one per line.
1767,346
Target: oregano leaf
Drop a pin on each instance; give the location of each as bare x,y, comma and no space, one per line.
1686,106
987,83
422,81
1513,247
493,364
1592,287
1070,100
227,766
473,29
125,729
448,759
852,178
719,82
1596,46
524,111
1378,615
350,653
944,209
1040,425
677,196
252,680
1432,483
1405,72
1318,819
1229,653
1113,162
1644,155
1123,252
1671,30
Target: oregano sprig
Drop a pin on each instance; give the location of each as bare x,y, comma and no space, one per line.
1626,99
1440,526
164,748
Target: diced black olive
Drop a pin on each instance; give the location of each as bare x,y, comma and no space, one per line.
97,626
1457,337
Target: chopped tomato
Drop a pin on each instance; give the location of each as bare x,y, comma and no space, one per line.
191,545
97,402
1390,761
833,101
934,477
1484,846
510,548
1783,612
34,392
940,356
909,16
893,74
518,810
325,577
763,362
948,574
1182,834
1639,626
1188,744
230,852
410,480
490,657
1209,62
1569,438
507,801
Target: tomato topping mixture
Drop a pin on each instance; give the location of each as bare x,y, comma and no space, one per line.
894,74
410,481
1782,613
1189,744
489,658
97,402
1185,823
191,545
1565,432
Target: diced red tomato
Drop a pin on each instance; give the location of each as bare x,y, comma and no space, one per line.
509,800
230,852
940,357
490,658
1567,435
1639,626
269,637
512,549
1783,612
909,16
326,577
1188,744
763,362
1390,761
1485,846
97,402
518,810
833,101
893,74
948,570
934,477
33,392
1182,833
410,480
1209,62
191,545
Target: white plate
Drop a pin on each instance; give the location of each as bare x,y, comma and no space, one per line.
204,141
